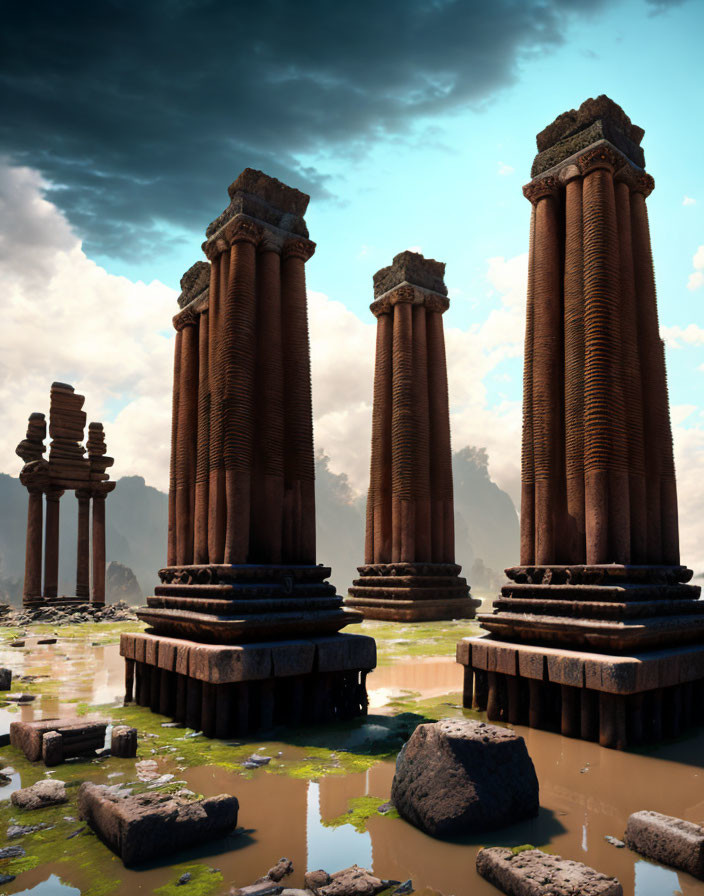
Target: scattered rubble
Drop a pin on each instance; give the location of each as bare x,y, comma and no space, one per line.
69,614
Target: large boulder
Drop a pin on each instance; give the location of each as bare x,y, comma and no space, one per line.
672,841
458,776
151,825
48,792
530,872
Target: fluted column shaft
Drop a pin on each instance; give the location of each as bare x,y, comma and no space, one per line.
217,505
527,554
33,547
268,495
98,544
83,545
186,443
51,543
402,507
200,550
575,534
547,376
442,501
299,528
379,550
421,435
239,312
171,552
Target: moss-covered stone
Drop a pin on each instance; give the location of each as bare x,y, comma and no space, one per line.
362,808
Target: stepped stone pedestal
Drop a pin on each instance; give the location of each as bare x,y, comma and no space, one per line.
598,633
244,628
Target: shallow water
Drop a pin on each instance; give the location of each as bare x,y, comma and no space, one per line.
586,793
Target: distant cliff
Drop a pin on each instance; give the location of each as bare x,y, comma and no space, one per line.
136,516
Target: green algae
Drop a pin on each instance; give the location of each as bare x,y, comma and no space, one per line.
362,808
398,641
204,881
523,848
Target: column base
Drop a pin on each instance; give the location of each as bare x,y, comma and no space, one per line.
239,690
618,701
64,600
411,592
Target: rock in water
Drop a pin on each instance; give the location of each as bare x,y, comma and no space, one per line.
151,825
459,776
5,679
669,840
531,872
44,793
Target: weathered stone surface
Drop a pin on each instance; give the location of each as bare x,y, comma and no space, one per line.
669,840
314,880
531,872
353,881
281,869
411,267
76,737
123,741
150,825
456,776
5,679
43,793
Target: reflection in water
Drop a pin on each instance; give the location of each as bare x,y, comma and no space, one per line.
52,886
653,880
333,848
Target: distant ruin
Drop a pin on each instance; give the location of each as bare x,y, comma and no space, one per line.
410,572
598,632
67,469
244,625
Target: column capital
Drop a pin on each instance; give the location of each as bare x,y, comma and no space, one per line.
242,230
34,475
637,181
185,318
271,242
296,248
84,494
409,294
539,189
601,156
53,493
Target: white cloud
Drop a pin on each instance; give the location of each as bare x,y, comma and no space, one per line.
66,318
504,169
689,462
689,201
675,336
696,278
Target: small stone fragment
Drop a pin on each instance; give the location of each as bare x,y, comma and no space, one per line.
12,852
123,741
16,643
404,888
667,839
47,641
184,879
614,841
353,881
281,869
264,887
6,878
5,679
531,872
385,807
15,831
255,761
314,880
48,792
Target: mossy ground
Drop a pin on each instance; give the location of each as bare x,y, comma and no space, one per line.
309,754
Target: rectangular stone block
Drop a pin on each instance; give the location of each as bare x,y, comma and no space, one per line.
151,647
531,664
535,873
292,657
127,648
340,653
139,647
480,654
669,840
221,665
463,652
166,658
182,654
611,674
566,667
505,660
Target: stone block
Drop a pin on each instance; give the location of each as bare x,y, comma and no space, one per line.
5,679
292,657
123,741
531,872
44,793
222,665
458,776
531,664
151,825
463,652
566,667
340,653
52,748
669,840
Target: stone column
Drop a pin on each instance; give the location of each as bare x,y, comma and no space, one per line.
527,554
33,547
575,532
443,513
298,403
202,445
186,438
239,347
98,545
51,543
402,506
268,486
219,255
83,544
379,546
171,552
421,435
547,366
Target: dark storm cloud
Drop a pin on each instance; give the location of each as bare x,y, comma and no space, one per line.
141,113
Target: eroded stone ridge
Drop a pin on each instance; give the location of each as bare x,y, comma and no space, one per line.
531,872
414,268
460,776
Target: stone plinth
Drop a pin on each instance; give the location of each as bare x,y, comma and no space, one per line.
410,572
236,690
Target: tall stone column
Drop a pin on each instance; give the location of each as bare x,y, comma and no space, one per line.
527,454
98,546
171,549
33,547
83,544
186,437
203,444
298,402
219,255
410,572
51,543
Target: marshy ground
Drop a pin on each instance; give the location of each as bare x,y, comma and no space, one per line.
317,799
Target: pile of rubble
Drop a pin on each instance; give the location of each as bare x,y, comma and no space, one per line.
67,614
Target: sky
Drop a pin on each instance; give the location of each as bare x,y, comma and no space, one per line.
411,125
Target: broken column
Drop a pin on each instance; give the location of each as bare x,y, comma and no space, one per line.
34,477
410,572
100,488
598,627
242,579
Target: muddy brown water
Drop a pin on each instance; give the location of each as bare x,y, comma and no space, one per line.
586,793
